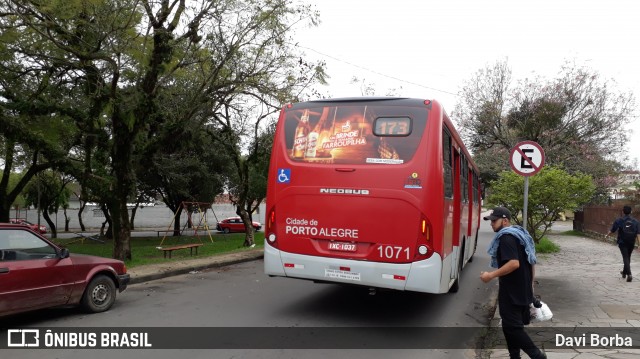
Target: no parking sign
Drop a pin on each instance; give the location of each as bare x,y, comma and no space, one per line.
527,158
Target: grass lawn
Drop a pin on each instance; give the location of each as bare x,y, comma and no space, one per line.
546,246
144,249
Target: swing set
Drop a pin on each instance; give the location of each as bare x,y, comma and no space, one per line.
190,208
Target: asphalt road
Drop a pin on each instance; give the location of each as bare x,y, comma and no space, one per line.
241,296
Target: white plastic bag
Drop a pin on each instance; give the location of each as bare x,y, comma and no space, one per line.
541,314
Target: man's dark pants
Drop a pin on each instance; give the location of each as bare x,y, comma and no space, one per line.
625,250
513,319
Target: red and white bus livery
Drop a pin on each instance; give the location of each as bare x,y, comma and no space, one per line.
377,192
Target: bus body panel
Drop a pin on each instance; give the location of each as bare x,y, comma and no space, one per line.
361,223
420,276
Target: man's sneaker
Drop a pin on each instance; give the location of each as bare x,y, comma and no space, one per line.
629,278
623,275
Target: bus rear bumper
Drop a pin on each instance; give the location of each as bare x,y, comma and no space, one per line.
422,276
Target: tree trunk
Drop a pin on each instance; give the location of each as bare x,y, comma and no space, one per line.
248,226
52,226
66,219
133,216
82,205
121,228
176,223
123,187
107,220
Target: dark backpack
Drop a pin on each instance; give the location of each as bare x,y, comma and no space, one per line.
629,230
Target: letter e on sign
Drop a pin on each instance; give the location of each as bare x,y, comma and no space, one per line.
527,158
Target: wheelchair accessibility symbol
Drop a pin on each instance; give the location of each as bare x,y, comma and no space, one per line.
284,175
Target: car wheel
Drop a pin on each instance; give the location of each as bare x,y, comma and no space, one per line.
99,295
225,230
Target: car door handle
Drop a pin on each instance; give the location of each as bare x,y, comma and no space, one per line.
4,270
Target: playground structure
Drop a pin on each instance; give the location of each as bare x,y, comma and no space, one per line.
191,208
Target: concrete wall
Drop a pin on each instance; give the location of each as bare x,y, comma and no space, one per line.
158,216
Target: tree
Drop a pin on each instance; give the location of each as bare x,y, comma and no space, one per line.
551,192
578,118
183,164
104,68
230,128
31,140
248,196
272,77
48,192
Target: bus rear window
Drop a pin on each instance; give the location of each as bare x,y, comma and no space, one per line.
354,134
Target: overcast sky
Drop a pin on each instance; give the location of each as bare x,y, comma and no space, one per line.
427,48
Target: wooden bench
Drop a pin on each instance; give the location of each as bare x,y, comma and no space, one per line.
182,246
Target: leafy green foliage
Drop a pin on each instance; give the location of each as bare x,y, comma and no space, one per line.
48,192
20,201
545,245
551,191
98,89
578,117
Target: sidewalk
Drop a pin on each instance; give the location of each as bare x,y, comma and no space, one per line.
161,270
584,289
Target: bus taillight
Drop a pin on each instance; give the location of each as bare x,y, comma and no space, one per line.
271,220
270,232
424,246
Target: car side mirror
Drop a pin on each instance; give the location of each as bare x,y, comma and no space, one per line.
64,253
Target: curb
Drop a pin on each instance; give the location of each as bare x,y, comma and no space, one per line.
216,262
485,343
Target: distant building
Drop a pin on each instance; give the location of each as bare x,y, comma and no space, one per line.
625,187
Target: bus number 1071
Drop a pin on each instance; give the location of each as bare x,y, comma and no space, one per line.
393,252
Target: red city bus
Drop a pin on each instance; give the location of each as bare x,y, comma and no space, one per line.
377,192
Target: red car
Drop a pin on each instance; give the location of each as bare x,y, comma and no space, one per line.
234,224
36,227
35,274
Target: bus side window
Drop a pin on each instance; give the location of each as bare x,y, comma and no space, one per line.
447,170
476,188
464,179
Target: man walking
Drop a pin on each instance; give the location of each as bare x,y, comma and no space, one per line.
513,254
627,228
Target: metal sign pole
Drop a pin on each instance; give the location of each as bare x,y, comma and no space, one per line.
526,202
526,159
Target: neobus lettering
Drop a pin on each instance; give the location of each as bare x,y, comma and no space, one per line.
325,232
344,191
